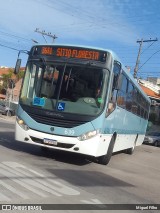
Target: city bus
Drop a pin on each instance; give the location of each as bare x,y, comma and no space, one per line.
82,100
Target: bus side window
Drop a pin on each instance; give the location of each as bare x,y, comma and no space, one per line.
116,72
129,100
113,96
122,92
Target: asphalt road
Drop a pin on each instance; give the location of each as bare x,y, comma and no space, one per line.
30,175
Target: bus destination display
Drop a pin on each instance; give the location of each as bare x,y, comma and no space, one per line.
71,52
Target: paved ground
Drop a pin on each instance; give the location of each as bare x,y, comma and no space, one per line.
30,175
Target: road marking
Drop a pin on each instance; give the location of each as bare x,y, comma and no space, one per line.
4,198
32,181
12,189
55,185
19,180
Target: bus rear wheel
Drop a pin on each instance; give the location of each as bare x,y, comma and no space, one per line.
104,160
130,151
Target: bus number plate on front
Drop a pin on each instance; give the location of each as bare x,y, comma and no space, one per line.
50,142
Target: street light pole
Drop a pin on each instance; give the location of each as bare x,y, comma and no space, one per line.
138,57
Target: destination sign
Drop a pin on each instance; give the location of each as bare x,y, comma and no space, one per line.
71,52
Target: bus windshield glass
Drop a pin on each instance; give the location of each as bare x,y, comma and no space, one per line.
68,88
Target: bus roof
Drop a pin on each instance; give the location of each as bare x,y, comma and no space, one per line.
114,55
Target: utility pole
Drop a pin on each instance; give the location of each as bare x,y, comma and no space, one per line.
139,53
43,33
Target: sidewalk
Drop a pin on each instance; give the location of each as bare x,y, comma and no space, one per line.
8,118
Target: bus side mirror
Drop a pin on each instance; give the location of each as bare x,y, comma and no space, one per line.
17,67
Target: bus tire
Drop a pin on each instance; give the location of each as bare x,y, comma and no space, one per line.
130,151
104,160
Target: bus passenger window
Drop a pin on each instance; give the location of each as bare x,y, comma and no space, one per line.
122,92
129,100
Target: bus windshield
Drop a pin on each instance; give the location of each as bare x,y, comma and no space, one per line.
69,88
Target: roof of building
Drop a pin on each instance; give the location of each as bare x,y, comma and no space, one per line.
6,70
149,92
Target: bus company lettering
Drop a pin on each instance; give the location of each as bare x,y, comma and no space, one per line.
73,53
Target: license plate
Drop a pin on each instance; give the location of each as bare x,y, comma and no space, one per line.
50,142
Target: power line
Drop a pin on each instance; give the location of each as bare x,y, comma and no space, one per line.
148,59
14,36
12,45
9,47
148,46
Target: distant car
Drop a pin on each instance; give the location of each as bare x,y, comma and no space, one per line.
5,110
152,138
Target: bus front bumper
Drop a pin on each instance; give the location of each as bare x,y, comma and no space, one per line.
95,146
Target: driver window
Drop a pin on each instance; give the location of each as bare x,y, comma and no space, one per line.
49,82
116,72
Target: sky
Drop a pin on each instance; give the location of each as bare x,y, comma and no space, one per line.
108,24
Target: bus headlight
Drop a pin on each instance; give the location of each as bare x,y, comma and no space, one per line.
88,135
22,124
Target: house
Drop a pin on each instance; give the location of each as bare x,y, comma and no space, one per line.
153,92
154,80
12,94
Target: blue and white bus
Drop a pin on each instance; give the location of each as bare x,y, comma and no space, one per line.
82,100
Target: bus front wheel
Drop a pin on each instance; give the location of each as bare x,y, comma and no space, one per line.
104,160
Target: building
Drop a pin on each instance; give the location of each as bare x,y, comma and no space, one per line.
10,94
154,80
153,92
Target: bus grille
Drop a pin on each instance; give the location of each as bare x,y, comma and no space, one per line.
55,121
60,145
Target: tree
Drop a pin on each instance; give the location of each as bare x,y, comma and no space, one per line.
6,78
8,81
20,75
